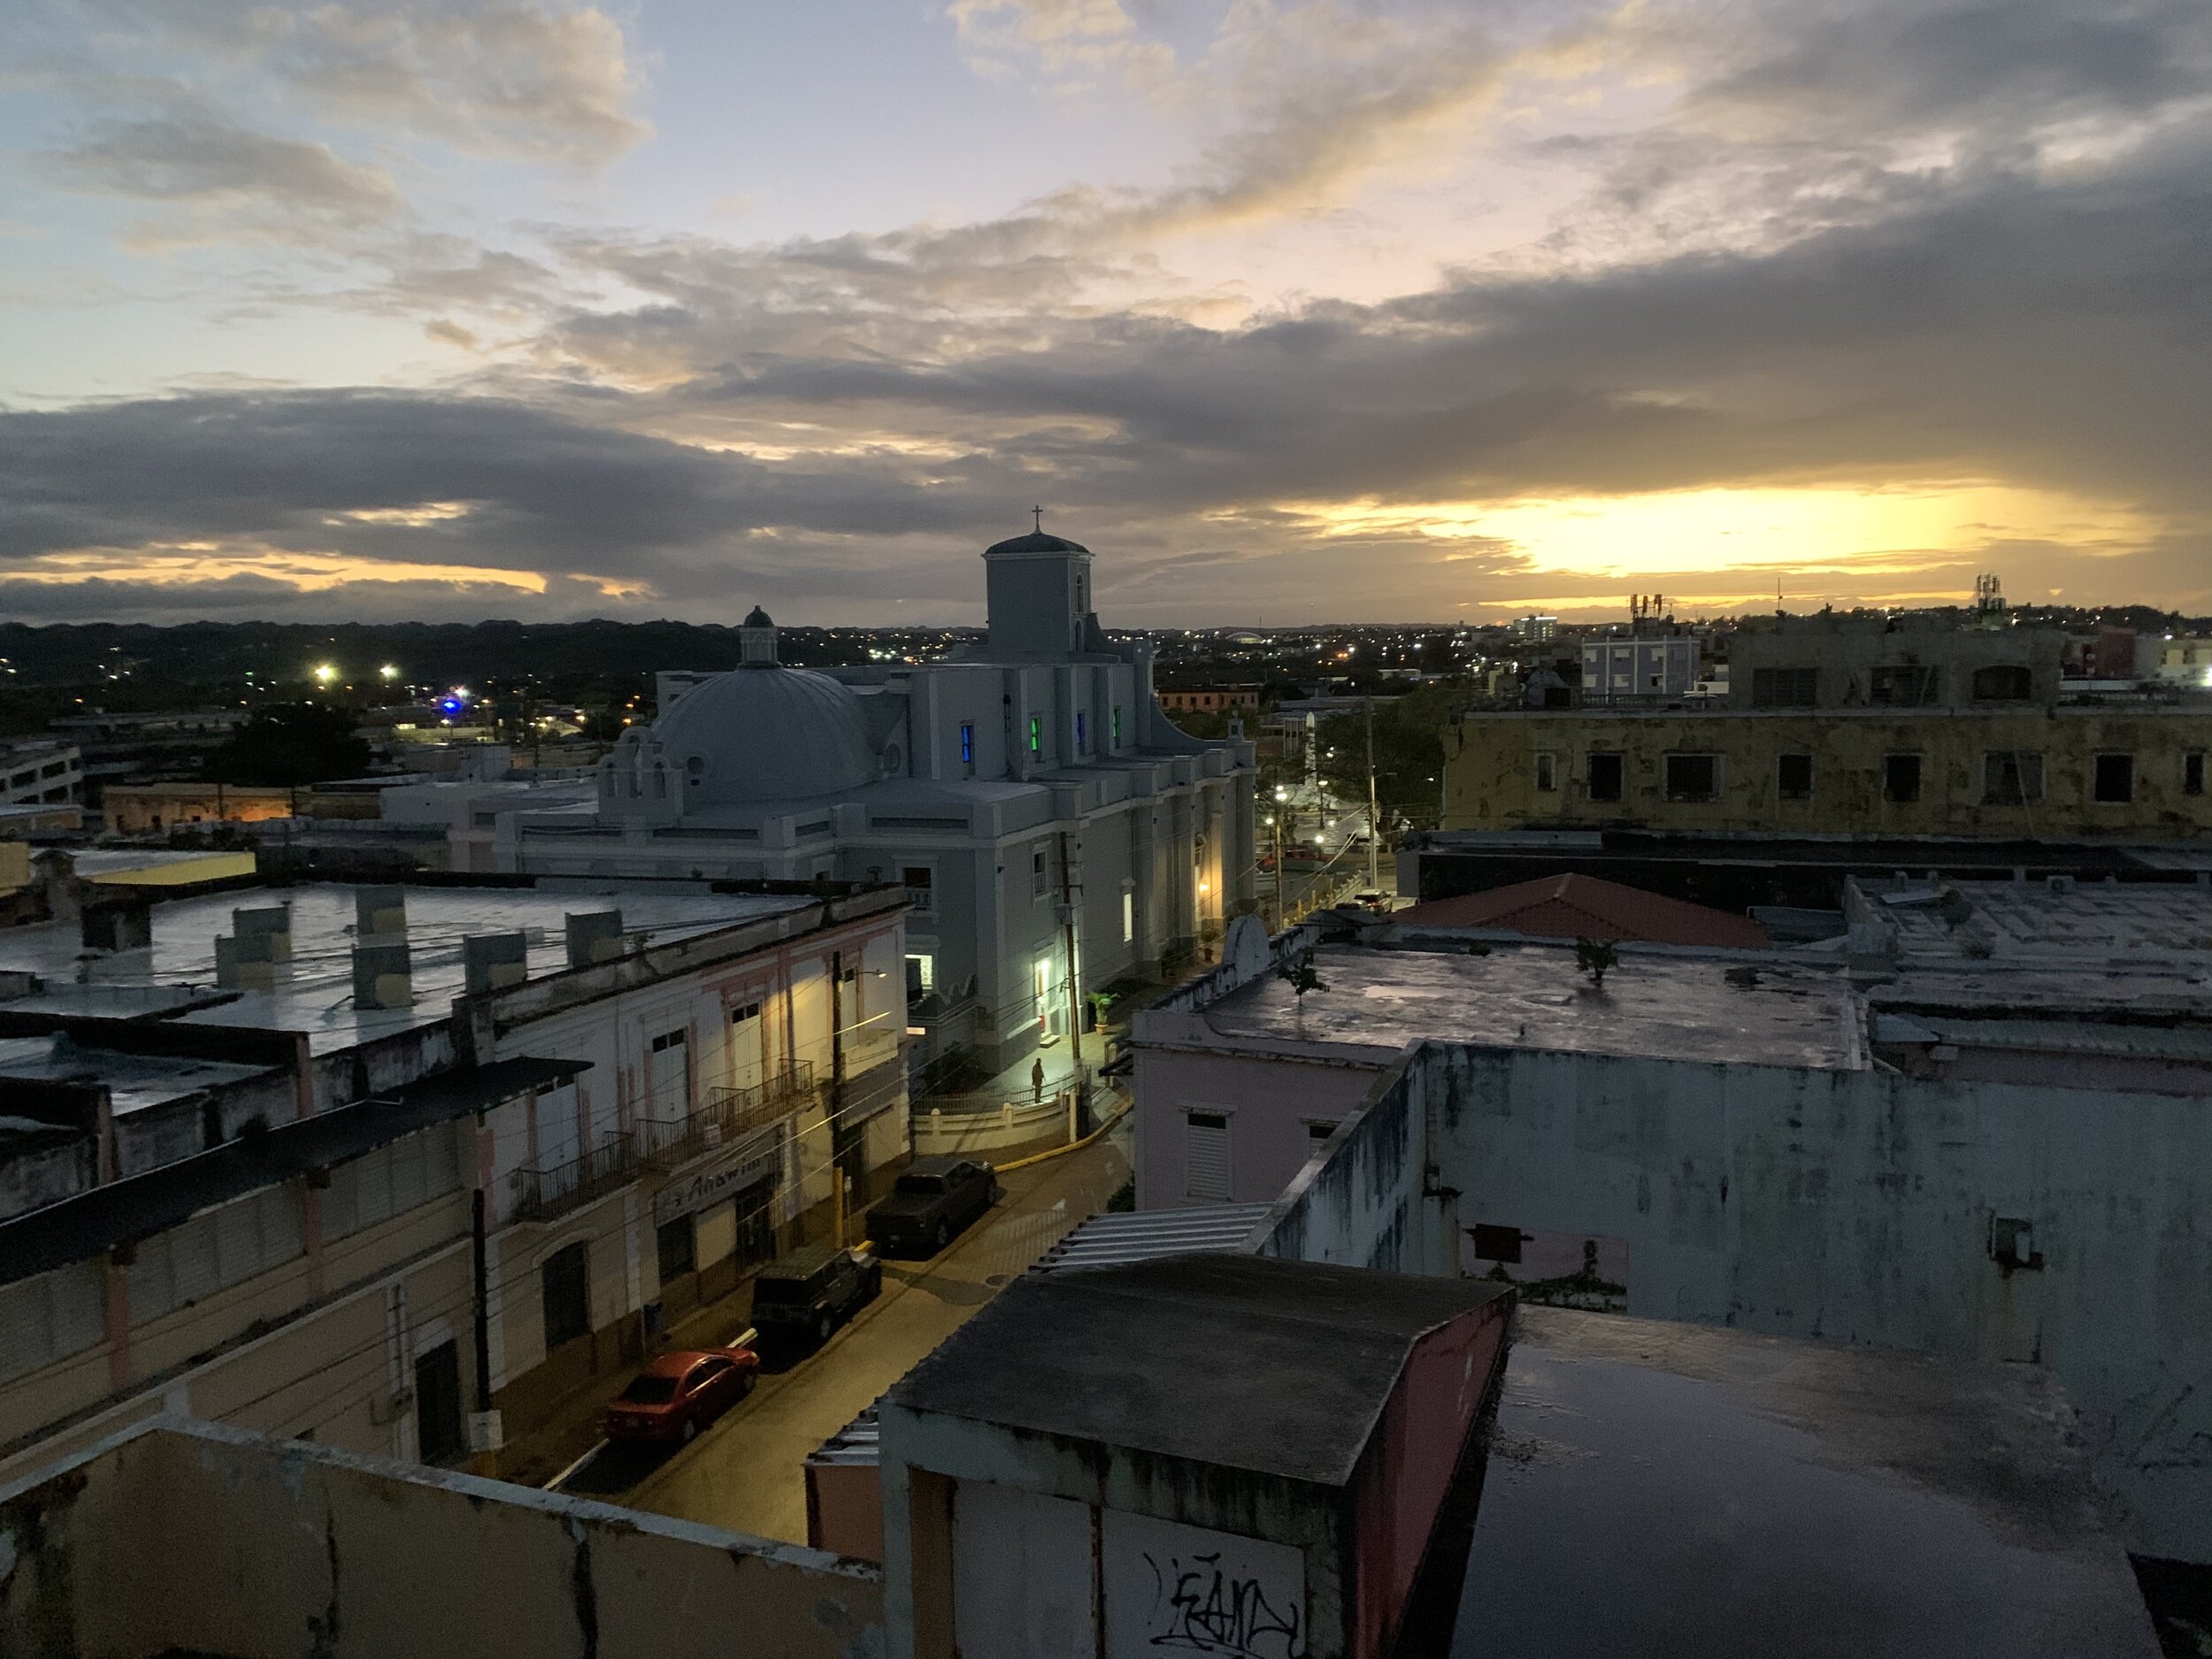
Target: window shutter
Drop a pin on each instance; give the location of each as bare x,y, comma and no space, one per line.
1206,1155
195,1257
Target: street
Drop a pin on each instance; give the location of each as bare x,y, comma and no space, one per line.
746,1473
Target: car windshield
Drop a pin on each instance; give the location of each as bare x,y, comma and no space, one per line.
650,1391
921,1183
780,1290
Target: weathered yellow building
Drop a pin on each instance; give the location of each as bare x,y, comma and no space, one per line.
2092,770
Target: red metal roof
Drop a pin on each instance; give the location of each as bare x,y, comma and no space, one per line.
1577,906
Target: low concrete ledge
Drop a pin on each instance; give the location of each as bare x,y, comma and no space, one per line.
180,1535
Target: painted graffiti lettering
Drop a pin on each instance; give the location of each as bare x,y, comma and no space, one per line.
1206,1611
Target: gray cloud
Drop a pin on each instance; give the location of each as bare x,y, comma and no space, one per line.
548,83
1859,250
196,161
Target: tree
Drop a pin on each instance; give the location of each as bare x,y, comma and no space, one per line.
1302,974
286,744
1594,956
1409,755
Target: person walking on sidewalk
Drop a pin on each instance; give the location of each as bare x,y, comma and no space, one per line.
1037,1081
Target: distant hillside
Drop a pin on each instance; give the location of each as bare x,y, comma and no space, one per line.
131,662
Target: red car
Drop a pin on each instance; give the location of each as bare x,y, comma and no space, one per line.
679,1393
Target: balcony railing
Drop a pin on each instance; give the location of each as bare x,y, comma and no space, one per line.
728,1113
548,1190
761,1102
553,1189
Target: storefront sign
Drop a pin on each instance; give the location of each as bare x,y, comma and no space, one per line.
737,1167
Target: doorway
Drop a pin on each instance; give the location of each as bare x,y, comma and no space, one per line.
439,1437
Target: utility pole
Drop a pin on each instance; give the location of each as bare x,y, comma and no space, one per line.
1374,819
838,1151
1282,904
1068,890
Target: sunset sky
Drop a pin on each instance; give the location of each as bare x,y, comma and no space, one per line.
1372,311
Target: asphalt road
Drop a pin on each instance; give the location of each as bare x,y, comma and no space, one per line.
747,1472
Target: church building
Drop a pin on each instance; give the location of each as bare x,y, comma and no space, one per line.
1035,803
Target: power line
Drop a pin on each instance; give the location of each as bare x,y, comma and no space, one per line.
466,1299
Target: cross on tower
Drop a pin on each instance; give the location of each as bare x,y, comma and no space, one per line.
1038,513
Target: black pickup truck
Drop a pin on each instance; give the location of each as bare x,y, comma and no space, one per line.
934,1199
812,1291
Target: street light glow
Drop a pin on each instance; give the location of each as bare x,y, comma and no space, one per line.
390,671
324,673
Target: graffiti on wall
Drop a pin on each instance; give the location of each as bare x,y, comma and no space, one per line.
1177,1590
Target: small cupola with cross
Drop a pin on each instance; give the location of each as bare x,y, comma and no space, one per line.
757,641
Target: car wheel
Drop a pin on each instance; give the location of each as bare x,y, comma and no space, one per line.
942,1234
822,1328
688,1430
745,1385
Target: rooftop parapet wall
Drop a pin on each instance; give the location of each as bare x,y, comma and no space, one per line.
189,1536
550,994
1247,954
1361,1200
1855,1206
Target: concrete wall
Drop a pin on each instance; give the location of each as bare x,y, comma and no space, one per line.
138,809
1360,1201
1271,1105
1409,1467
1490,771
40,1169
204,1539
1851,1206
1847,652
930,1461
321,1342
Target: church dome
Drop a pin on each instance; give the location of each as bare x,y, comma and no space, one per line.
1036,542
766,734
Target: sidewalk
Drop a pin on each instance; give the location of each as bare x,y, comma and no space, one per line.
1014,1083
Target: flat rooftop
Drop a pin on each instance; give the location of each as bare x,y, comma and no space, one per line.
1242,1362
2161,929
314,991
1532,996
1661,1488
135,1081
1871,856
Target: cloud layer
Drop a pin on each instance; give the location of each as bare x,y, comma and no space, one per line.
1886,252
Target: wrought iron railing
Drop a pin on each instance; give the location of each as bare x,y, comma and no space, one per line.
553,1189
728,1113
758,1103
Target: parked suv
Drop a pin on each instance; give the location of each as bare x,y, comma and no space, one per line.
934,1199
813,1290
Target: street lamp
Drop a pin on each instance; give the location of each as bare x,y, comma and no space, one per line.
324,673
388,672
